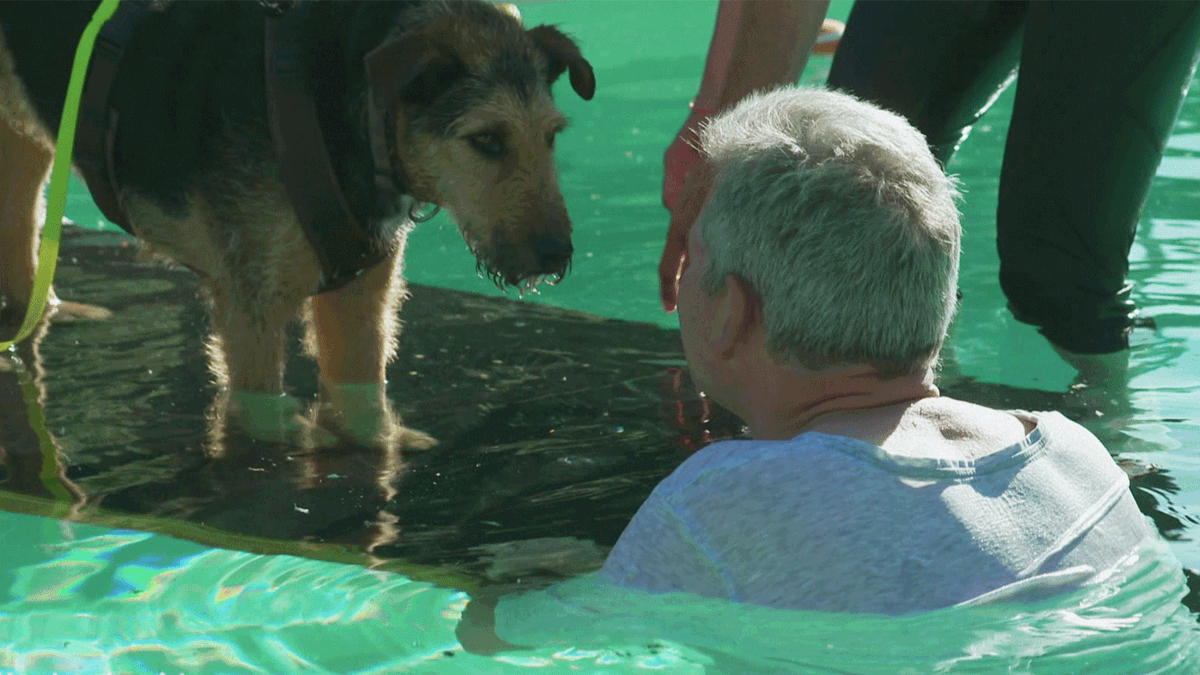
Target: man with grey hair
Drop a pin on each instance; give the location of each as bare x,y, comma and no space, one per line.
819,285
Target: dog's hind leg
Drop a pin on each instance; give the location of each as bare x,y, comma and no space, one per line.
24,168
26,152
26,155
352,332
246,348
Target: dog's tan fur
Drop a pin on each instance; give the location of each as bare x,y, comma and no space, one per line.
255,285
259,271
27,152
501,208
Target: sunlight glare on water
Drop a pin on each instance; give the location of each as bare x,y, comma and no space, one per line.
88,600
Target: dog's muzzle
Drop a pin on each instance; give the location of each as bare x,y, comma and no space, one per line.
553,254
524,265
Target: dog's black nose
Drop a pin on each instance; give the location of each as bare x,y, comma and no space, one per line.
553,253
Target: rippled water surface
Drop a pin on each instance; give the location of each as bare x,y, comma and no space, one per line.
141,535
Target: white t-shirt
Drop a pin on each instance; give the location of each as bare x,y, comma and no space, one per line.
832,523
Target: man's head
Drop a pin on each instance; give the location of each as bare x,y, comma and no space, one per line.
836,216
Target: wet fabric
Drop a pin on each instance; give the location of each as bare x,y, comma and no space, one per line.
1130,622
830,523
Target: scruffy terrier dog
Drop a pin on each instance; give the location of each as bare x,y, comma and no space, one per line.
435,102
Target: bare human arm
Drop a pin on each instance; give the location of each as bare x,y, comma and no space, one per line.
757,44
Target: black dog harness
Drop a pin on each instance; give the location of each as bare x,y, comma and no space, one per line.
97,125
343,245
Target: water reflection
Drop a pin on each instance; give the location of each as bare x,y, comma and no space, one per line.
82,599
551,422
554,426
85,599
1130,622
30,454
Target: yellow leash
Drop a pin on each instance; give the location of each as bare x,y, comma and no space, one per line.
57,197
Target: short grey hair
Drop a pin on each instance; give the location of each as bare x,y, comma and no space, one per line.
837,216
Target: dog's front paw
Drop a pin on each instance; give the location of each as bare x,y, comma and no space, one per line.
275,418
66,311
362,414
411,439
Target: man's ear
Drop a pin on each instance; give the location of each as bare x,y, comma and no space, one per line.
737,316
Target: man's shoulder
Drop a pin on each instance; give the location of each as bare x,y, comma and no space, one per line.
729,459
1063,436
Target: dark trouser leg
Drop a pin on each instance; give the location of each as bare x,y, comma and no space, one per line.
1100,88
939,64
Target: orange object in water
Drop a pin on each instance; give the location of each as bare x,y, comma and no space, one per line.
831,35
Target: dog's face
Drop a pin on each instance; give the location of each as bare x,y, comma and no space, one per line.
494,172
475,134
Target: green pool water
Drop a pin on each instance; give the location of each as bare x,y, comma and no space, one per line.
85,599
82,599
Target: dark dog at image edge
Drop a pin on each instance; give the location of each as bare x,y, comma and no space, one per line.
468,125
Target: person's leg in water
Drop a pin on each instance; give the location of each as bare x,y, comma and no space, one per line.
939,64
1100,97
1100,89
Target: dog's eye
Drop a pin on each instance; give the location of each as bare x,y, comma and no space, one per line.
488,144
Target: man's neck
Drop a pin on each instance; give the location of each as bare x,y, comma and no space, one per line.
790,401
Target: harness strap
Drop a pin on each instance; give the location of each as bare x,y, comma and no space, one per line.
342,245
97,130
389,67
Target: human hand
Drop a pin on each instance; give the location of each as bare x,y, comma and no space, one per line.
685,187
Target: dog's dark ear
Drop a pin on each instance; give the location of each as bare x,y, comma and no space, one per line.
416,68
563,54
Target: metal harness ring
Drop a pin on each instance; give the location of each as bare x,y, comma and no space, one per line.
420,218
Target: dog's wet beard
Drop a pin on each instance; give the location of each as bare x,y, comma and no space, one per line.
504,281
489,259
